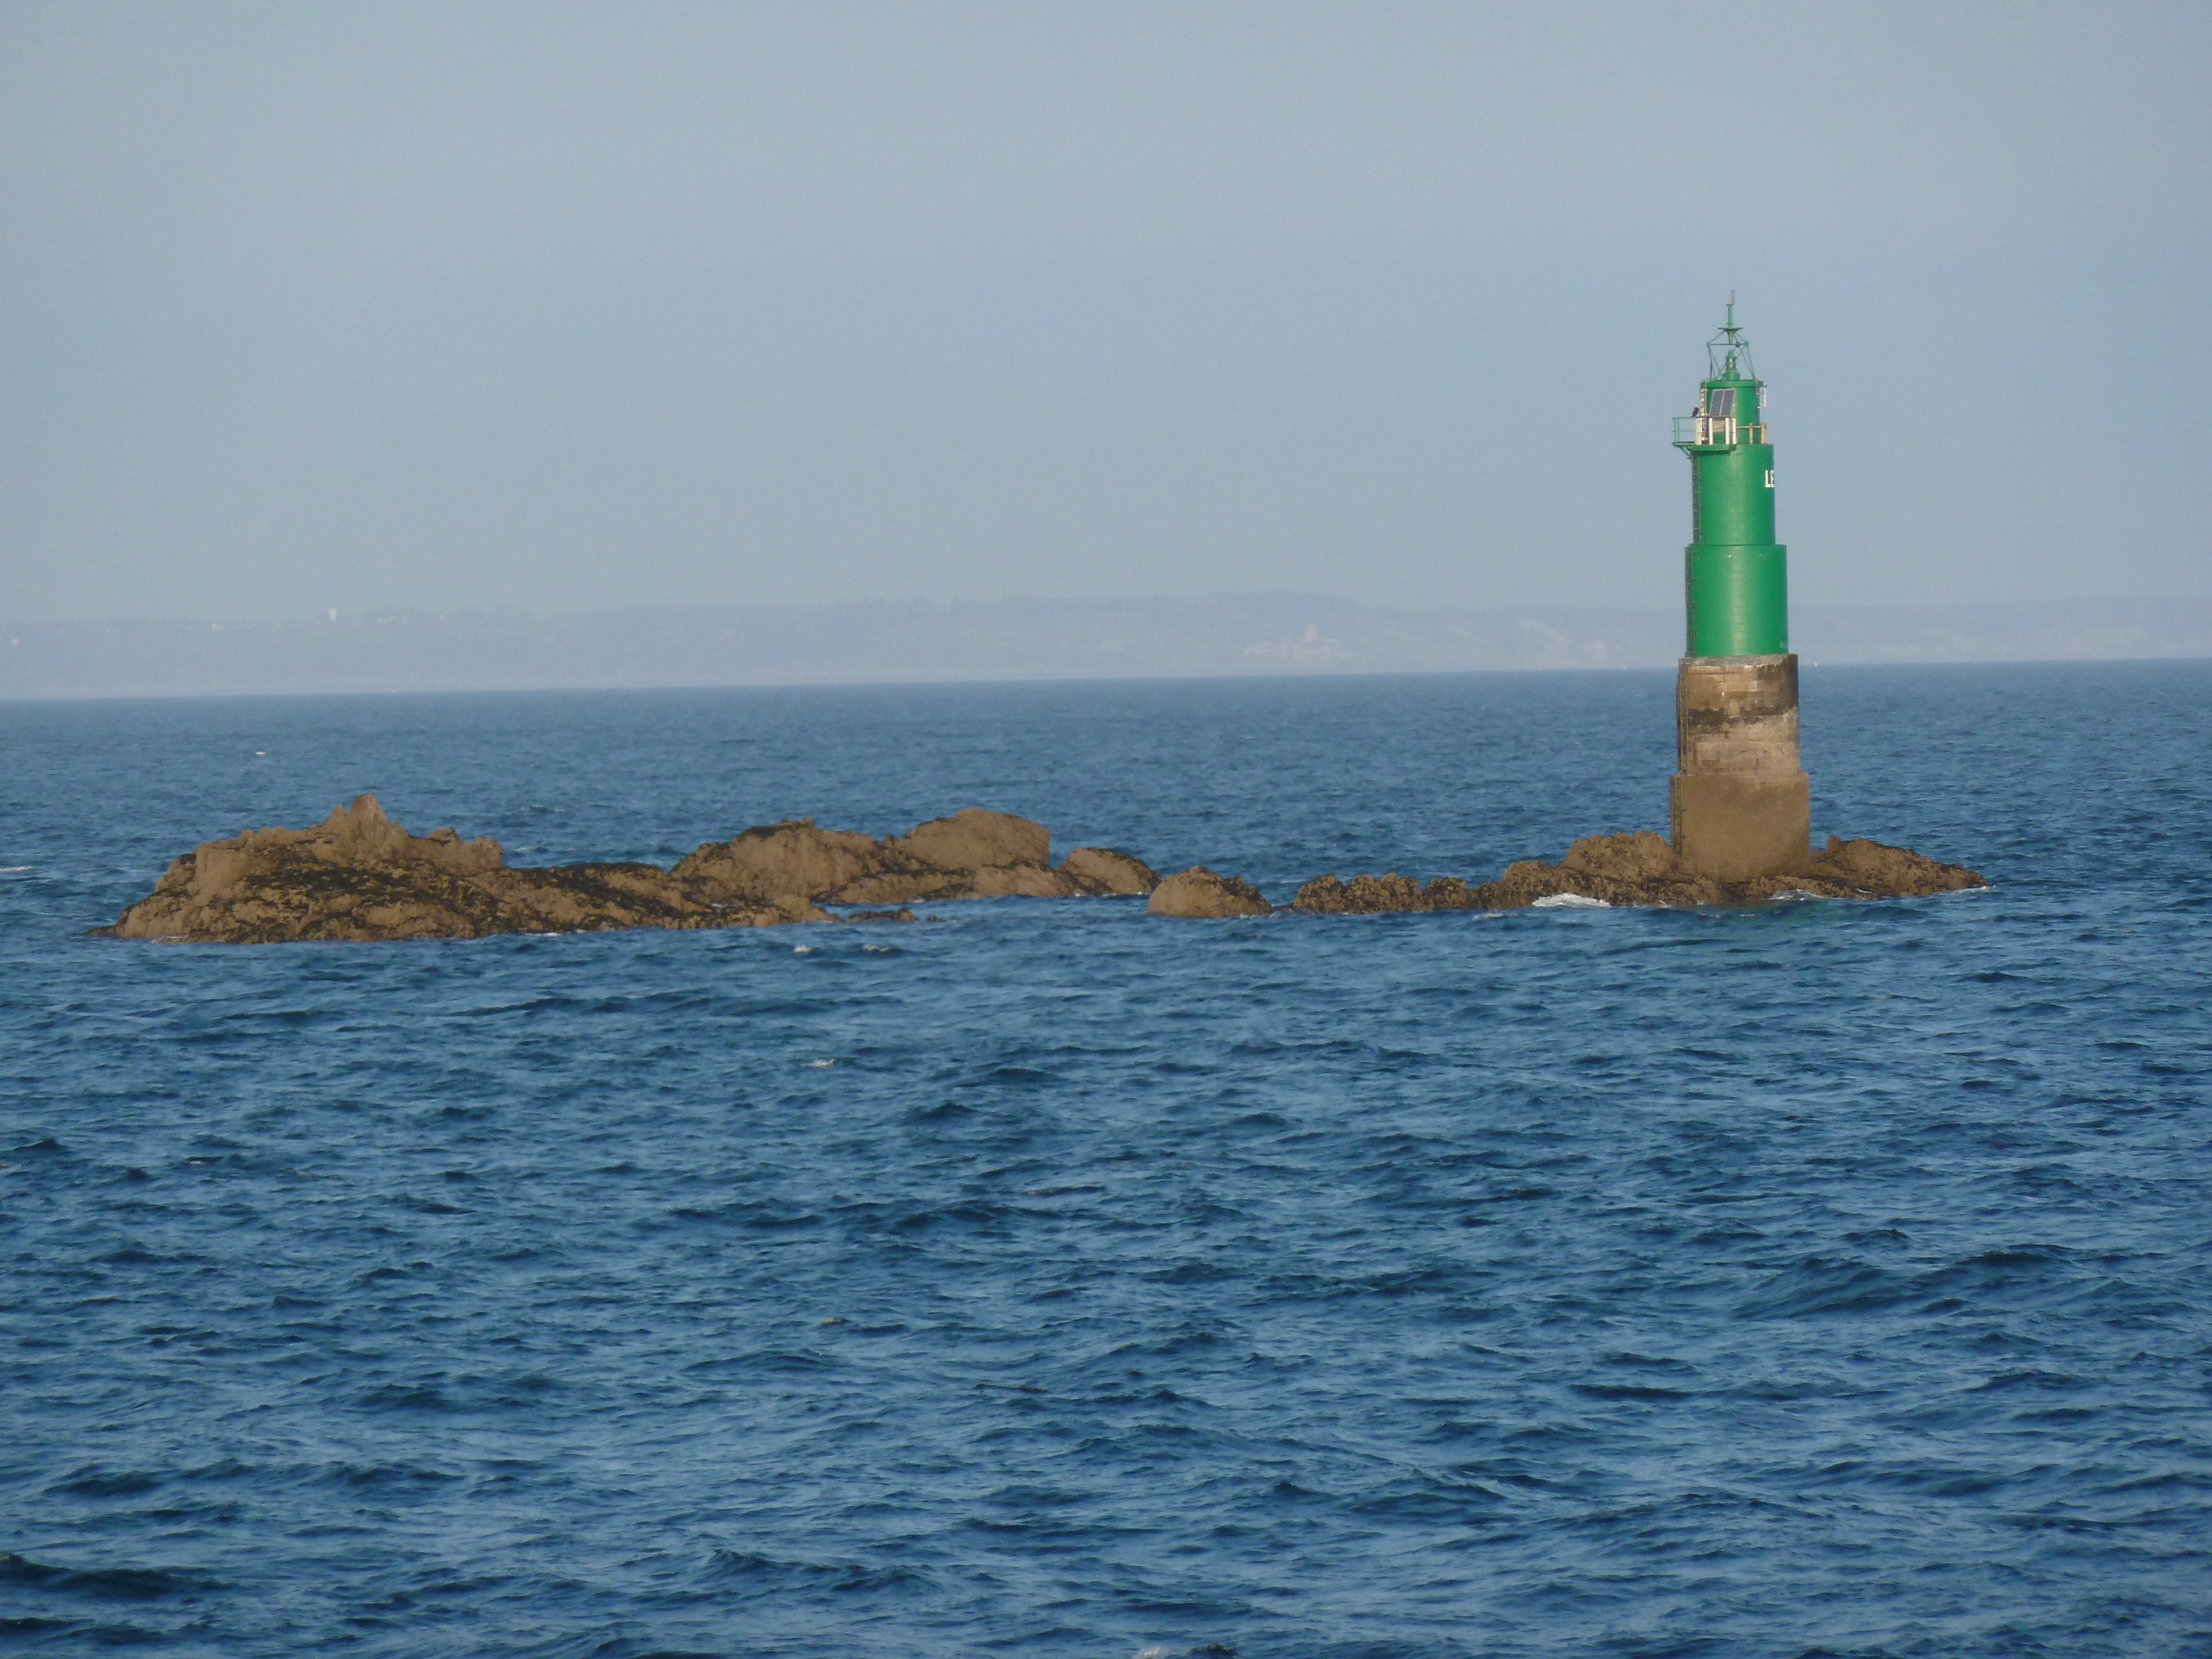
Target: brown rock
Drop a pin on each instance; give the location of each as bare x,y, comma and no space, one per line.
1363,896
361,833
1870,870
904,885
764,863
973,839
1526,881
1103,870
1368,896
1015,881
1640,857
358,876
1642,869
1449,893
972,854
1198,892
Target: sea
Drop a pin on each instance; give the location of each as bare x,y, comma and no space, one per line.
1047,1279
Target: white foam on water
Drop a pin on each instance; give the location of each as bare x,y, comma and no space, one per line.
15,869
1570,901
816,1065
802,950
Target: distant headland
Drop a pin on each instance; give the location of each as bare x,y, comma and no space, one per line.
884,642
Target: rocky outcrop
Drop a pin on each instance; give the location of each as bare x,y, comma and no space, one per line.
1872,869
1198,892
1641,869
971,854
1104,870
357,875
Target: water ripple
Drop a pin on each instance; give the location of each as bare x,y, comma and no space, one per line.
1818,1279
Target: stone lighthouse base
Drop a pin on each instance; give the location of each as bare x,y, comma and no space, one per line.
1740,826
1742,804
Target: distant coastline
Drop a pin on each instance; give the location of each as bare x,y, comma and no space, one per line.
1010,640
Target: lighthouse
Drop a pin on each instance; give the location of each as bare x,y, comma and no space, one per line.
1740,802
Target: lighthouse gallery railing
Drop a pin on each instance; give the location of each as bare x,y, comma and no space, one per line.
1712,431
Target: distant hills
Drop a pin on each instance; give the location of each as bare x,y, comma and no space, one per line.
1244,634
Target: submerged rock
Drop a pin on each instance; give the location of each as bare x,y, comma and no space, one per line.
357,875
1641,869
1198,892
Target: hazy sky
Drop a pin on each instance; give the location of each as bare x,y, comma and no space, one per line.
312,306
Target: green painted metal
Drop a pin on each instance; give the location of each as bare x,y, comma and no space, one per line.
1735,576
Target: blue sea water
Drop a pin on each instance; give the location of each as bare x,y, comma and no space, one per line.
1815,1278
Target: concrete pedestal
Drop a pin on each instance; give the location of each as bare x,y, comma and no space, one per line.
1742,805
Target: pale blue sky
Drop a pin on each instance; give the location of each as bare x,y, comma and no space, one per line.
571,305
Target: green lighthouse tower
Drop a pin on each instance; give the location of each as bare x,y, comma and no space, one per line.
1742,804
